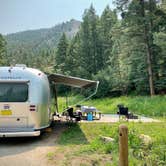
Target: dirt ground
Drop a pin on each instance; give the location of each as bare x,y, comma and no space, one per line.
34,151
30,151
113,118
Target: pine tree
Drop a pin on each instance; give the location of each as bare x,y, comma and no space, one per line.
90,57
159,40
120,59
107,22
73,59
2,50
61,54
140,17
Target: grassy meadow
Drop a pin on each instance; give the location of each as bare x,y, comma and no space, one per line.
81,143
141,105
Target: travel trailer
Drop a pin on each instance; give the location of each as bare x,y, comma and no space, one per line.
25,99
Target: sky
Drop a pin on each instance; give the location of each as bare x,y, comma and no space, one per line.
20,15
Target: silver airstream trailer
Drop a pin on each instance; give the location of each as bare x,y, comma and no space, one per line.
25,99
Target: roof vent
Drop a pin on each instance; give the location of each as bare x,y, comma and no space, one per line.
20,65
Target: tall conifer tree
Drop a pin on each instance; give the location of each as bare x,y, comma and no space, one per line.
61,54
2,50
89,42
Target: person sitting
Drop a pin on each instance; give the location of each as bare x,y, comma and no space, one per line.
78,110
72,115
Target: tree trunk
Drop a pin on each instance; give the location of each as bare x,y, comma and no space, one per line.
150,73
148,51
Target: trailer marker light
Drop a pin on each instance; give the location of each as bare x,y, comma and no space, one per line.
32,108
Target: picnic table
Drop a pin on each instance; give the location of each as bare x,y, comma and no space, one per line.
82,113
86,111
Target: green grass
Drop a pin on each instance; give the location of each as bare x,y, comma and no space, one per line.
81,142
151,106
141,105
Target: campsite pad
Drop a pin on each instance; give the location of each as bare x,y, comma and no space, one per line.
115,118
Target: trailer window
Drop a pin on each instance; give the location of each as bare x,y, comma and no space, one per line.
13,92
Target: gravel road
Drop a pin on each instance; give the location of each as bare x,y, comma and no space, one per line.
33,151
30,151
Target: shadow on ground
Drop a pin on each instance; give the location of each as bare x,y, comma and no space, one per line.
73,135
59,134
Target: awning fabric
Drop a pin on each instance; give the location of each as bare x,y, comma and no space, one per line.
71,81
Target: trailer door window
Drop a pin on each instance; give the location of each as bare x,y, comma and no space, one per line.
13,92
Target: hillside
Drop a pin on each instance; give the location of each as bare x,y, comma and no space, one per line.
35,40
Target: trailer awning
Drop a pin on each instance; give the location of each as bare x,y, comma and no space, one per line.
71,81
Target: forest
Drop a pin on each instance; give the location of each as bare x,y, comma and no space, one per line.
124,48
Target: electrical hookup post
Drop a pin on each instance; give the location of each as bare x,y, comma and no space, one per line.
123,145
